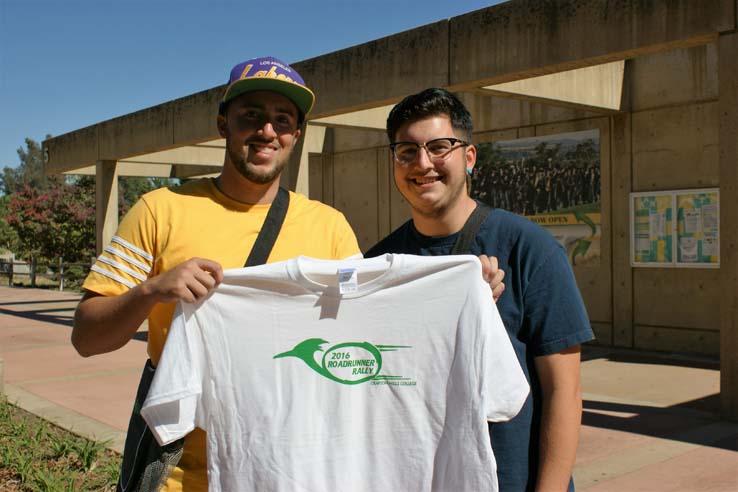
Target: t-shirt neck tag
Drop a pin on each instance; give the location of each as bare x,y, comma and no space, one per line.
347,281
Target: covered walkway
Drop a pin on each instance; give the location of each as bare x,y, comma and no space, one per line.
650,421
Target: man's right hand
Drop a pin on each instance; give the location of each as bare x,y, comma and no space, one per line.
190,281
106,323
493,275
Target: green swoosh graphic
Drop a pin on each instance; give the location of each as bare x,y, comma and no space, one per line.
306,352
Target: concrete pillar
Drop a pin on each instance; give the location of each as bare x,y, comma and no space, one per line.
106,202
622,272
728,151
296,175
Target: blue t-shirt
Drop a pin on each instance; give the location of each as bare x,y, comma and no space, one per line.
542,311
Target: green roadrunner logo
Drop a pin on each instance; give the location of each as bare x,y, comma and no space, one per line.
345,363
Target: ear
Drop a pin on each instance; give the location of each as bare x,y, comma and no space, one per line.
298,132
222,126
471,156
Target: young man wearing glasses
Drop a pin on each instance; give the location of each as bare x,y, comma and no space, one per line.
430,134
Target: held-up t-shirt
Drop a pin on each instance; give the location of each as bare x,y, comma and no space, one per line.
376,374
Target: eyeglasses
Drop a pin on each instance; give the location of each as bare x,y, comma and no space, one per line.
438,149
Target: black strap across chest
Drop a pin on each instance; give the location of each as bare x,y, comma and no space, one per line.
270,230
471,227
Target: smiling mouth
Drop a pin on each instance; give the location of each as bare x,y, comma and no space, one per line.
421,180
262,147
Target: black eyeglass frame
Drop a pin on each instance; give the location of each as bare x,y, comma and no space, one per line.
441,158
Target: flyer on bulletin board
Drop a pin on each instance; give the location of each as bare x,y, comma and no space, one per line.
678,228
698,227
652,228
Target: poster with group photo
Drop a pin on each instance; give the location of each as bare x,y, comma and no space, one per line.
698,228
553,180
678,228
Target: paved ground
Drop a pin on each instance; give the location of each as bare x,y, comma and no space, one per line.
649,421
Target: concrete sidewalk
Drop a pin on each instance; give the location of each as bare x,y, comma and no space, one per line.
649,421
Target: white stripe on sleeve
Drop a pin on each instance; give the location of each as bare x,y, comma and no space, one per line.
122,267
131,247
120,254
112,275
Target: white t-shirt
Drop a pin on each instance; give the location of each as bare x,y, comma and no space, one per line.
382,382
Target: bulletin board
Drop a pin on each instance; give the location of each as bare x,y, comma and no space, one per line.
678,228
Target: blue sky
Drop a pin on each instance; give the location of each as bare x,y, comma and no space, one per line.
67,64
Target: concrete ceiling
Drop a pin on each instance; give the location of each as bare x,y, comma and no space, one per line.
595,88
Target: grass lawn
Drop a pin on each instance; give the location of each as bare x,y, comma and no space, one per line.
37,456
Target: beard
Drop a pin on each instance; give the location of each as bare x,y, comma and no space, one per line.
251,171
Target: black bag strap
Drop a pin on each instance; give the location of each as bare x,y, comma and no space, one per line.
270,230
471,228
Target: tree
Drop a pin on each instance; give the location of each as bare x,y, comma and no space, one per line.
131,188
8,236
46,218
56,223
29,172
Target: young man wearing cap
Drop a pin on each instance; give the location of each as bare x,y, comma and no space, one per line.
430,135
174,243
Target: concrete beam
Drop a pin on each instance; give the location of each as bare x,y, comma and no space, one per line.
130,169
183,122
71,151
210,154
148,170
598,88
185,171
194,117
374,118
186,121
528,38
378,72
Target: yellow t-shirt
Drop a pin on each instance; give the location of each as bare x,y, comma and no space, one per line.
169,226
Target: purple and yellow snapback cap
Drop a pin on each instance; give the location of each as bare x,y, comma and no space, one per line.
269,74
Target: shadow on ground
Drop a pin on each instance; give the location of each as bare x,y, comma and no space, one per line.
38,315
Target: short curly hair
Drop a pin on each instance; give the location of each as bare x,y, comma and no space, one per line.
431,102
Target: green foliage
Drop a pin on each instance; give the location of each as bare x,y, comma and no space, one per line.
41,432
36,456
109,471
6,456
58,222
30,171
45,480
88,451
23,465
8,236
44,218
60,446
19,428
131,188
